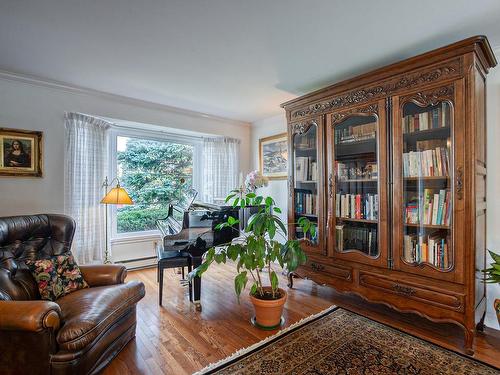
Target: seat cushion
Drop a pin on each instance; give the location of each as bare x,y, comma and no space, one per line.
87,313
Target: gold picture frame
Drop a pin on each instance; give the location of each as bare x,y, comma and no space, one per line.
273,157
20,153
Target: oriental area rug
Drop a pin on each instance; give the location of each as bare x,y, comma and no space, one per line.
337,341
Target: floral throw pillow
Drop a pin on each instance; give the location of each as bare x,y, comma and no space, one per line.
56,276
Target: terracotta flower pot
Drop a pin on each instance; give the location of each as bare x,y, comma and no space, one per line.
268,312
496,304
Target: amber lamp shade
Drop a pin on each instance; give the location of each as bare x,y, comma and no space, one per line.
117,195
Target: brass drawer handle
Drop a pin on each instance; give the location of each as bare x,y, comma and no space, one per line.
317,267
403,290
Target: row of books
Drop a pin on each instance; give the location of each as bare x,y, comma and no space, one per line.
430,208
426,163
306,141
438,117
432,249
356,133
356,238
306,169
356,170
357,206
305,202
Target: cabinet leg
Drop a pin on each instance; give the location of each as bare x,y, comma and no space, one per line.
290,279
480,324
469,341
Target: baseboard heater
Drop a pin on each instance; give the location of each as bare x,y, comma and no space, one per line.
132,264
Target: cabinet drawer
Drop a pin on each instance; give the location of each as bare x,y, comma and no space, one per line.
325,273
428,295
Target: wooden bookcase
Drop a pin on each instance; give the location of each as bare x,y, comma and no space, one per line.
391,166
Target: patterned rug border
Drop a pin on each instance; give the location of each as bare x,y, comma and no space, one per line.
211,368
242,353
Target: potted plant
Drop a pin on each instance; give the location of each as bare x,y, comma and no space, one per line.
256,253
492,276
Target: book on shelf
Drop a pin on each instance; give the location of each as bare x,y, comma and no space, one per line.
356,170
306,169
355,133
305,202
356,206
430,208
426,163
432,248
356,238
438,117
306,141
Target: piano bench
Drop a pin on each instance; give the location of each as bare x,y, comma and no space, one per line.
171,259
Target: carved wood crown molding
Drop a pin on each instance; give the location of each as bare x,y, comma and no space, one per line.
430,97
302,127
371,109
392,86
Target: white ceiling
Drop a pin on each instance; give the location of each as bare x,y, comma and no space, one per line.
234,58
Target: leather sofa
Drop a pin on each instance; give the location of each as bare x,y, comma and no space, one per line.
80,333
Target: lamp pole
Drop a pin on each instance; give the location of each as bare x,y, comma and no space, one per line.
106,252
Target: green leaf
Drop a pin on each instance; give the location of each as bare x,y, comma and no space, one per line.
240,281
274,281
495,257
235,203
233,251
277,209
251,195
229,197
258,200
242,203
231,220
269,201
253,290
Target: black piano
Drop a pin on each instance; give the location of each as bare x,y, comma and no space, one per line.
189,229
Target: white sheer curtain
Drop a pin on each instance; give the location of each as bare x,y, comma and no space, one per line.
221,165
85,169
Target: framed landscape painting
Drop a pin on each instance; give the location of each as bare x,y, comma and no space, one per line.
273,156
20,153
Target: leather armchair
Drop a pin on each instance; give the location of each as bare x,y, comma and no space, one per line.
81,332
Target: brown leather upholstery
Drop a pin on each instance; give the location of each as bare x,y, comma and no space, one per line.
87,313
77,334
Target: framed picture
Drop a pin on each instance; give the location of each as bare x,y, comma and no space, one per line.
20,153
273,157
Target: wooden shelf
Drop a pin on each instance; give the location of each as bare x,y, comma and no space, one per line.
427,226
307,182
358,220
422,135
360,180
426,178
309,216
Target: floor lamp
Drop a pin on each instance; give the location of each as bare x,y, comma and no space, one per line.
116,195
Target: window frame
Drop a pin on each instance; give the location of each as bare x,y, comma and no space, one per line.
153,135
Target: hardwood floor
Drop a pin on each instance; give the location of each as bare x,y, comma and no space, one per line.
177,339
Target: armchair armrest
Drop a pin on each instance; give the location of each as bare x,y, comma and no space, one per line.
103,274
32,316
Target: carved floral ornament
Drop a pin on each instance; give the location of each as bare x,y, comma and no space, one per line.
302,127
430,97
452,68
340,116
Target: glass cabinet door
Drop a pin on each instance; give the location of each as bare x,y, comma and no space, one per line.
425,144
354,184
306,182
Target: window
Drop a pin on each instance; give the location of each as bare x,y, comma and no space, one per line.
155,171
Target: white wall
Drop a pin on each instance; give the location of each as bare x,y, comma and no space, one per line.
278,189
493,181
33,106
